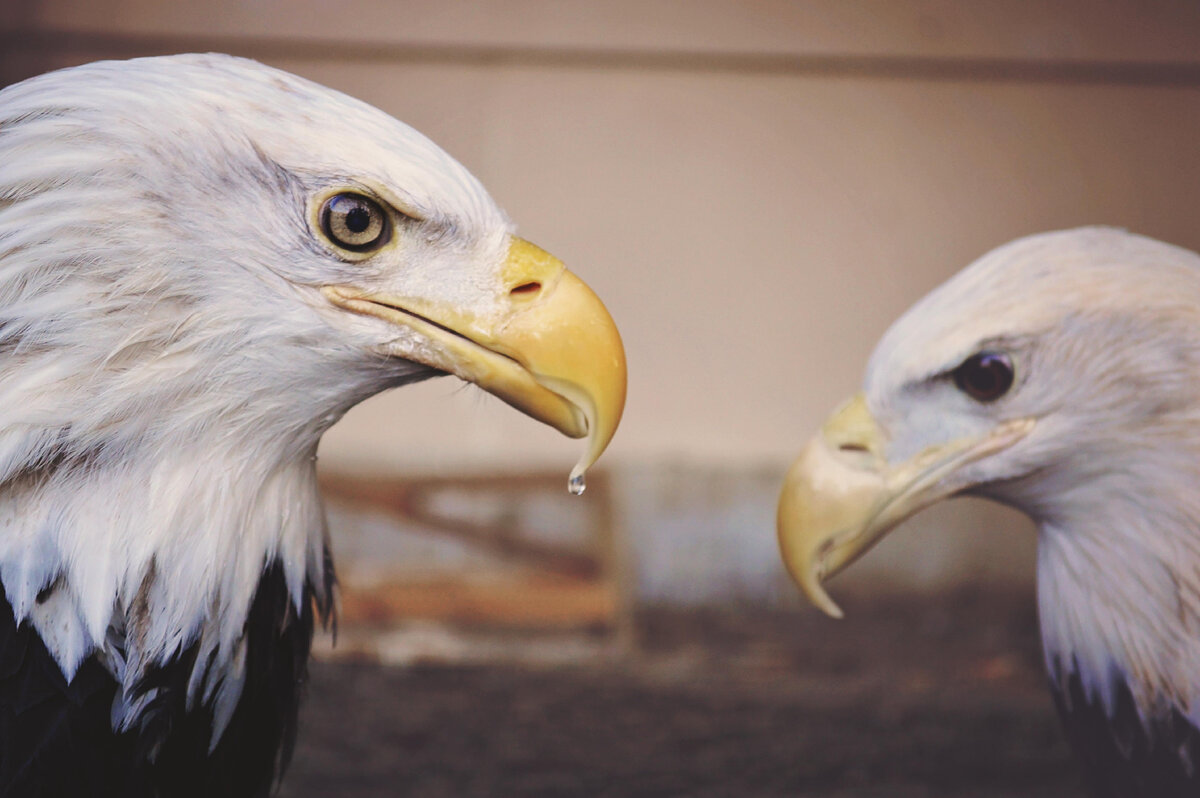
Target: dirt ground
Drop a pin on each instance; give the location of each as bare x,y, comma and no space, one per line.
906,698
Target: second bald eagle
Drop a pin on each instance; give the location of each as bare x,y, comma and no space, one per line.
1059,374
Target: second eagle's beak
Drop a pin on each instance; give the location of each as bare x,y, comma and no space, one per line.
841,496
551,350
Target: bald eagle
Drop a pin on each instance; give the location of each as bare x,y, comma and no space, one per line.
1059,374
204,262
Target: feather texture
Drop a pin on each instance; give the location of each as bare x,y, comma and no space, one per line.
1103,330
56,737
1126,754
167,367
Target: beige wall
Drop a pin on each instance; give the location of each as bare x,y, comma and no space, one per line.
1119,31
756,189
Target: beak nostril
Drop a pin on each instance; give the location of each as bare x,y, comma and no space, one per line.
526,289
852,447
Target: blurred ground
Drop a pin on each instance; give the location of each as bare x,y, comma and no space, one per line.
906,698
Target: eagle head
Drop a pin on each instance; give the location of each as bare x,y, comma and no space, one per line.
204,262
1056,374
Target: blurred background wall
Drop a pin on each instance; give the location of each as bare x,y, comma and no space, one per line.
756,189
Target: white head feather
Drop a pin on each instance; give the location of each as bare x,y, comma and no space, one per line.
167,363
1103,328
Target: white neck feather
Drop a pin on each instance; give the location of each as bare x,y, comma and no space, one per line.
141,562
1116,600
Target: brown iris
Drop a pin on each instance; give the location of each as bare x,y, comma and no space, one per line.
985,376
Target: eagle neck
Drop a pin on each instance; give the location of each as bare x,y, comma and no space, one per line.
1117,613
138,560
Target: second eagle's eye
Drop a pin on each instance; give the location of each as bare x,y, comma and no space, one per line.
985,376
355,222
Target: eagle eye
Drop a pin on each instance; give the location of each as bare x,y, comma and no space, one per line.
355,222
985,376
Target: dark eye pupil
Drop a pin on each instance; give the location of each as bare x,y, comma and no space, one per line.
984,377
358,219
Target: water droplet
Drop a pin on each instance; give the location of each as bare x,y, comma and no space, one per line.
576,484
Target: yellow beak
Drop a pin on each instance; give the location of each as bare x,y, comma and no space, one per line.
551,350
841,496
